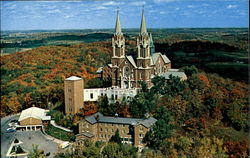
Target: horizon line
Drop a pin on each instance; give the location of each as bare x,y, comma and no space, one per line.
130,28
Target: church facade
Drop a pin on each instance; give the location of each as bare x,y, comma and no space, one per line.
126,71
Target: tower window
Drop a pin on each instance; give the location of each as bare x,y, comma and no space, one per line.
91,95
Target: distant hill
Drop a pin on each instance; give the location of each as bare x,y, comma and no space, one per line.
92,37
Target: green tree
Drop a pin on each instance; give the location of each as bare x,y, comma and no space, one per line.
159,85
107,108
112,150
161,130
116,138
36,153
103,104
143,102
94,83
190,70
128,150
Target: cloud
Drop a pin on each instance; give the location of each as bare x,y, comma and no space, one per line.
138,3
38,16
54,11
112,3
153,11
200,12
230,6
191,6
44,6
159,1
100,8
177,8
69,16
67,7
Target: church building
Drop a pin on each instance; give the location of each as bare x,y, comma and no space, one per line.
126,71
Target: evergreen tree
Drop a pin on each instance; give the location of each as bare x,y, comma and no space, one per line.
161,130
116,138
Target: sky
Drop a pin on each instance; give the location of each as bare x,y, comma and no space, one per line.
43,15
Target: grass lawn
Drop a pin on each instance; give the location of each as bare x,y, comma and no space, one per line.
59,134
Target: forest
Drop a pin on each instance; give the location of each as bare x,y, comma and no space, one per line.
205,116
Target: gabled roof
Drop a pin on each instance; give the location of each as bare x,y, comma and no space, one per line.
155,57
93,118
165,58
73,78
34,112
131,60
98,117
148,122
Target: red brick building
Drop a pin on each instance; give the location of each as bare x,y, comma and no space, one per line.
124,70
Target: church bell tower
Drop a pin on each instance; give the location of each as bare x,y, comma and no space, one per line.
143,45
143,53
118,44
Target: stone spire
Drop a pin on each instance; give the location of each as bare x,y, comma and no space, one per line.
118,29
143,29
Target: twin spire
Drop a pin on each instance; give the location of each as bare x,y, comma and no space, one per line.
118,29
143,28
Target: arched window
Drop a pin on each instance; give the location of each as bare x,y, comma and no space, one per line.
126,71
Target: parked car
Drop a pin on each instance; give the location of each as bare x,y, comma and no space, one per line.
9,130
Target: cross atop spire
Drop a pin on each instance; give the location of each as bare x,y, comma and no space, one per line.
143,29
118,29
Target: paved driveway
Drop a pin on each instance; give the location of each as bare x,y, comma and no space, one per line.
27,137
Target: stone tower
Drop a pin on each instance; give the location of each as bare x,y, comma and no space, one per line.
73,94
118,44
143,52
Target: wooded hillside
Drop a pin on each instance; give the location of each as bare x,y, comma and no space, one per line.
36,76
